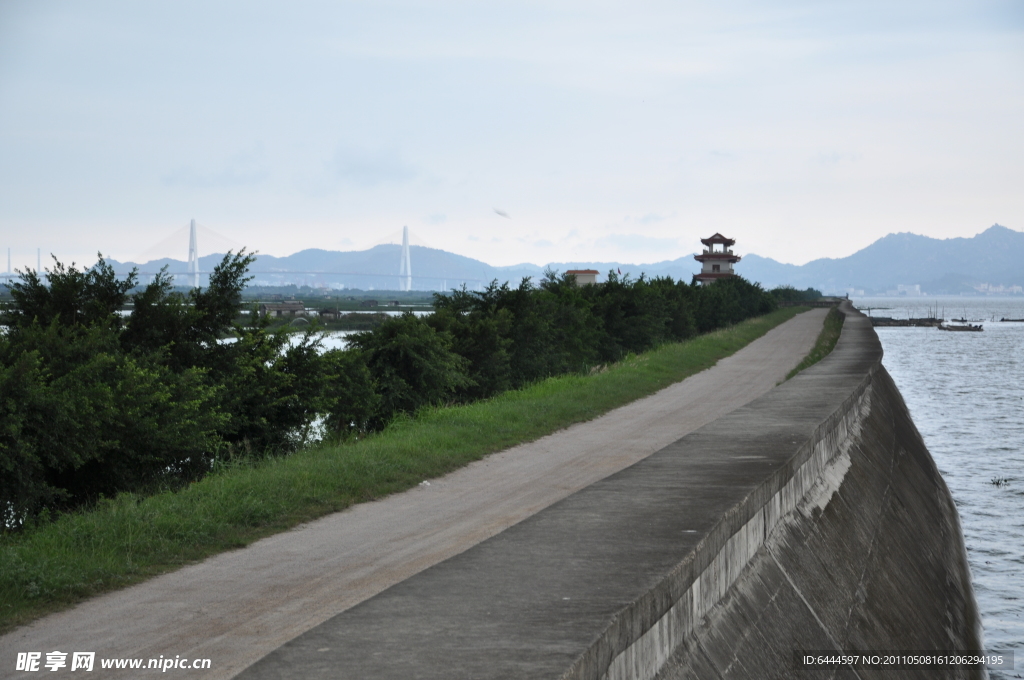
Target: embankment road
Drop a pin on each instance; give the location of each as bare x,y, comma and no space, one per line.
812,518
237,607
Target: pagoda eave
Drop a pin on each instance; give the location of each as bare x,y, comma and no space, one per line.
713,276
717,257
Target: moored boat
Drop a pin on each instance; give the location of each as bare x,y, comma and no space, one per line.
960,327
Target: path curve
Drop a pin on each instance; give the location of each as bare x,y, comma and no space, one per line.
236,607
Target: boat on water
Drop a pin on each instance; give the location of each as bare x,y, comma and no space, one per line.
1012,320
960,327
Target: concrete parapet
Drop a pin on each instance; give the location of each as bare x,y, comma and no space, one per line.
812,518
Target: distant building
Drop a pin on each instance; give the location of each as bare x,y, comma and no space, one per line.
368,303
584,277
909,291
716,263
296,308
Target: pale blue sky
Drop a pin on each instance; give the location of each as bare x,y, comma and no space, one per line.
606,131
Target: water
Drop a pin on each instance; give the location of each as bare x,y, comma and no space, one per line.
328,339
331,339
965,392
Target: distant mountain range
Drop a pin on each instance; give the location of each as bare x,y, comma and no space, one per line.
992,261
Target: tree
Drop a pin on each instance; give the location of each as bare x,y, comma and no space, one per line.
80,418
353,400
412,365
480,334
73,298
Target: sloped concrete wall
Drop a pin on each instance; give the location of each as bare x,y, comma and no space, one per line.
854,545
870,558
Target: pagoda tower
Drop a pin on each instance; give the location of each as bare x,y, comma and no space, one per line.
716,260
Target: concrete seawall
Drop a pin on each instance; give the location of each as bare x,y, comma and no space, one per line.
813,518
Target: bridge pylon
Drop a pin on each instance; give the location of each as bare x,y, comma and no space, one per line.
193,255
405,268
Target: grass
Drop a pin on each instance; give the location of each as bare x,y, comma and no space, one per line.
826,341
127,539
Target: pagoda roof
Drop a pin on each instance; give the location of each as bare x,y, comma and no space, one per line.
718,238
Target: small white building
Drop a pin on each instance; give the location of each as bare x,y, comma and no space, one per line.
290,308
584,277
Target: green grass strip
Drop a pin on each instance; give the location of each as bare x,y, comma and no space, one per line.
130,538
825,343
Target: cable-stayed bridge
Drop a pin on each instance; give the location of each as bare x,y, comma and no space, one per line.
386,266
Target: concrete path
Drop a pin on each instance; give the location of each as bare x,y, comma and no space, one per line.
237,607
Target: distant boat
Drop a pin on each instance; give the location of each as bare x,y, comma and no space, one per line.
960,327
1012,320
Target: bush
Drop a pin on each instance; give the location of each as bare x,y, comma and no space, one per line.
93,404
792,295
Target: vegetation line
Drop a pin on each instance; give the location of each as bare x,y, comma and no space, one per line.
825,343
124,540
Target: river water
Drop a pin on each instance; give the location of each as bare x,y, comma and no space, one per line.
965,392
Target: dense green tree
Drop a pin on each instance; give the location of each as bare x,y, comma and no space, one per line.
730,300
531,348
634,315
681,322
575,331
70,297
480,334
189,325
92,405
80,418
412,365
791,294
351,393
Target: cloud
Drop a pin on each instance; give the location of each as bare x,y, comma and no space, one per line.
651,218
836,157
245,168
436,218
543,243
364,167
637,242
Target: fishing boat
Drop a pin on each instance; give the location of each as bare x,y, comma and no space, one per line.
960,327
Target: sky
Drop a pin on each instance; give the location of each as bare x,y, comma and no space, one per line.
507,131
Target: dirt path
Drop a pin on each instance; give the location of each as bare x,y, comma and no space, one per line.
236,607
